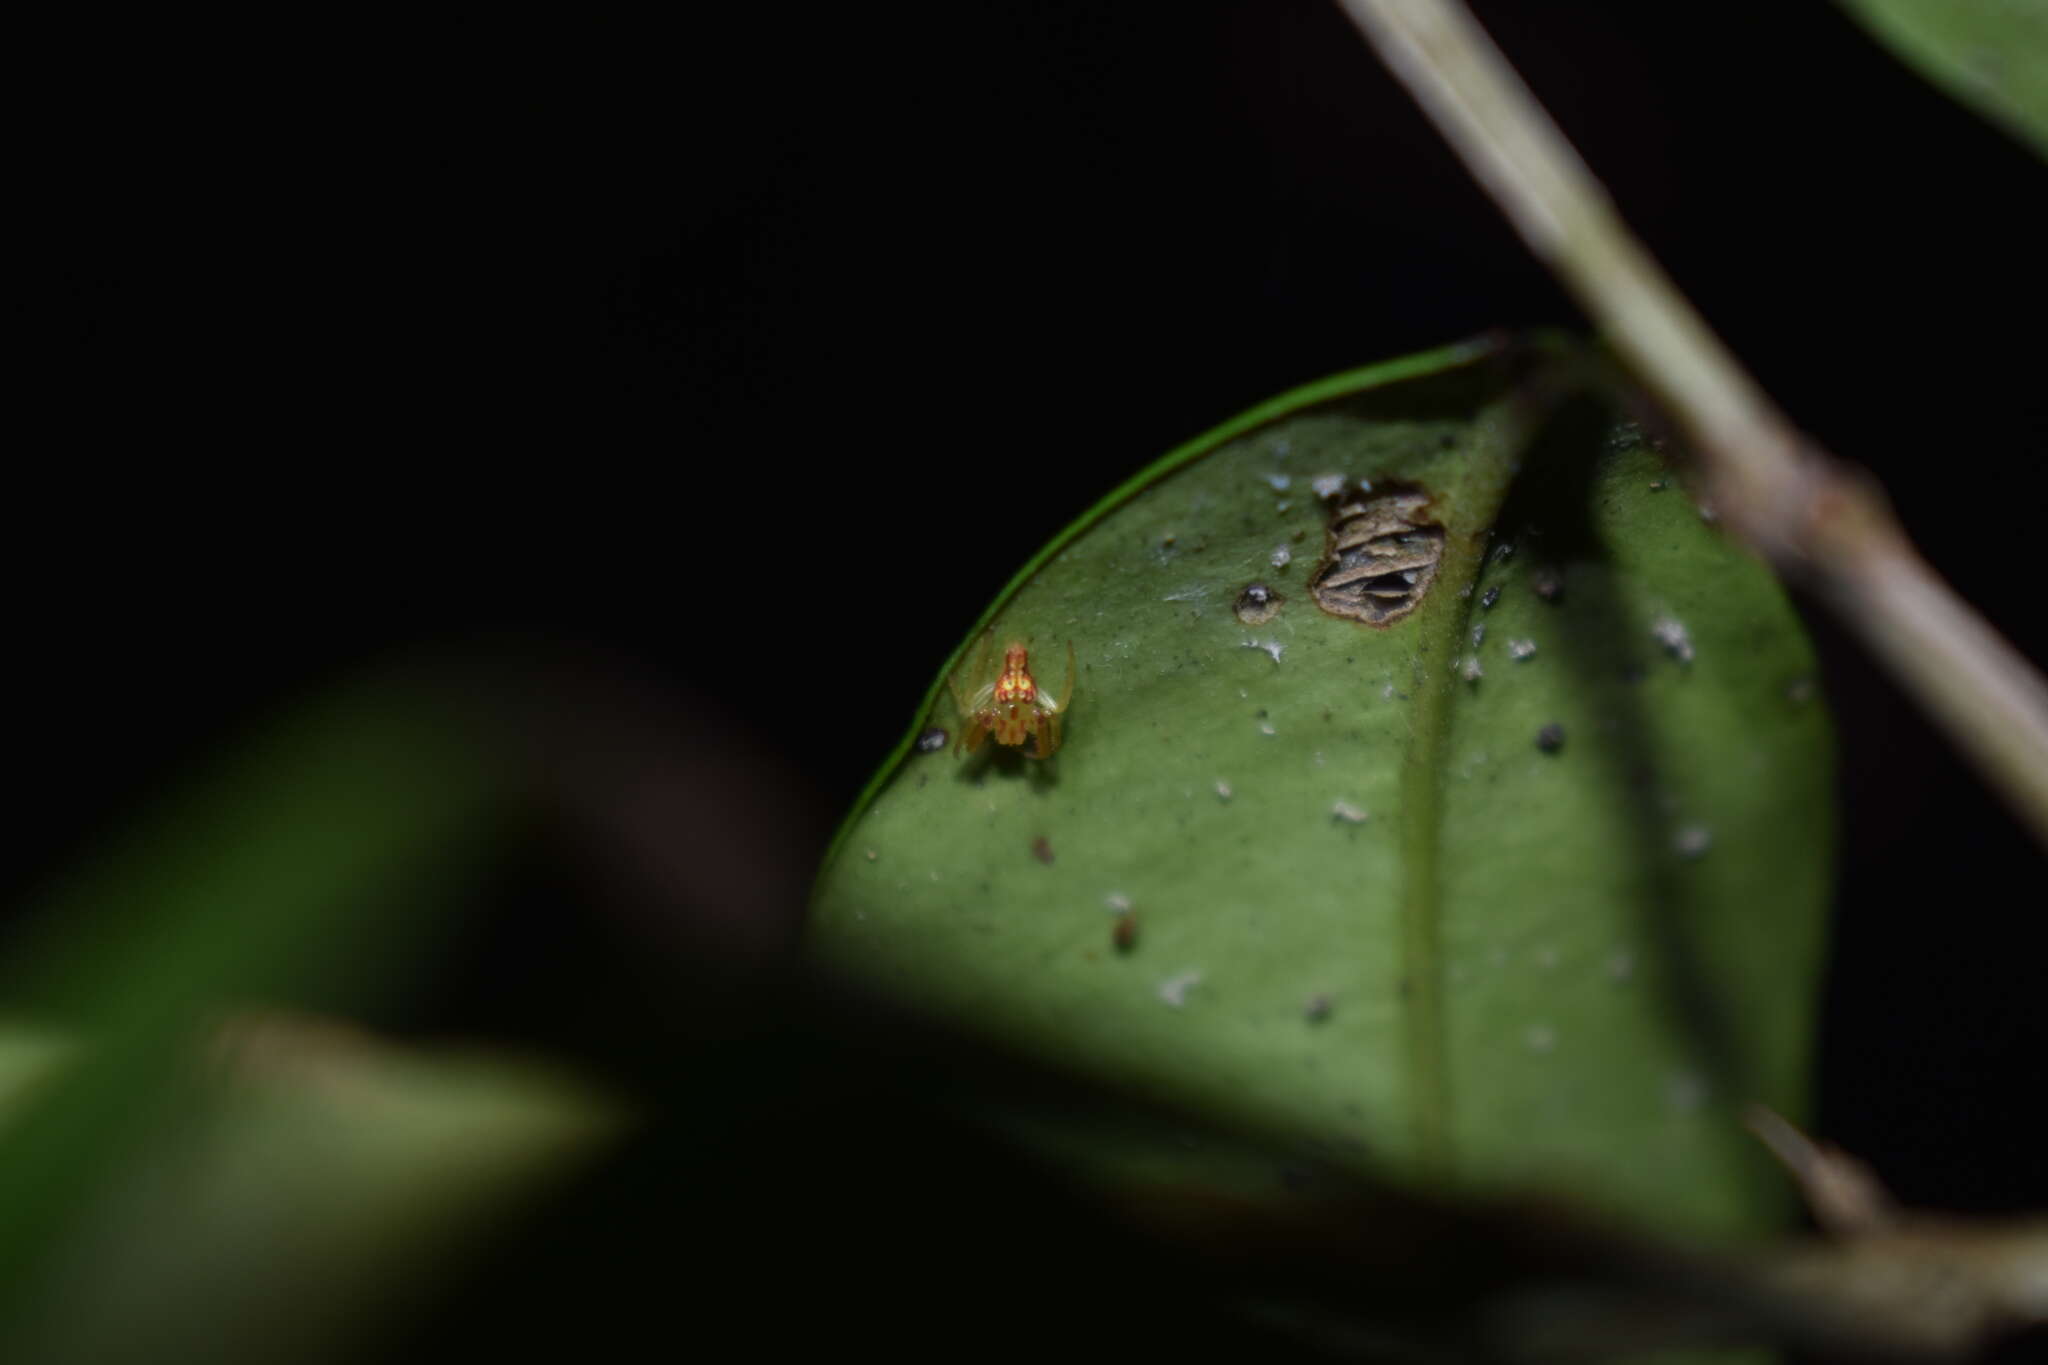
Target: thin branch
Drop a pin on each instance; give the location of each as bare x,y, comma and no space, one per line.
1811,515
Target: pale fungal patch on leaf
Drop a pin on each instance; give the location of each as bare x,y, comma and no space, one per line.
1348,814
1174,990
1672,634
1327,485
1282,557
1278,482
1380,558
1692,841
1117,902
1519,650
1685,1091
1470,670
1270,647
1223,792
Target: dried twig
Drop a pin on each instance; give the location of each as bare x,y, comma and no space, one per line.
1811,515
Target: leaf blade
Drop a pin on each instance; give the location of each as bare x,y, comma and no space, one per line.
1300,863
1990,54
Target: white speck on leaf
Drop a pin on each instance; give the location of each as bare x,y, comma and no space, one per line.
1327,485
1348,813
1117,902
1174,990
1478,634
1692,841
1194,593
1282,557
1272,647
1671,633
1223,792
1266,728
1470,670
1278,481
872,855
1521,649
1540,1038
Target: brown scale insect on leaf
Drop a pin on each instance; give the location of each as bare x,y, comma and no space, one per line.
1381,555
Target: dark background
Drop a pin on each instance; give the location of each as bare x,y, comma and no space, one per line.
685,359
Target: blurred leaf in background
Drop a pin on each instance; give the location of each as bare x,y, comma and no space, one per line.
185,1173
1990,54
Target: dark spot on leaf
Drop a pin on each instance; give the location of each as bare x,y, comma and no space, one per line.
1041,849
1257,604
1548,583
1550,738
1317,1009
1124,934
1489,597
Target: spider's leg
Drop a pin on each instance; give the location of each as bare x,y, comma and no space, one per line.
1067,691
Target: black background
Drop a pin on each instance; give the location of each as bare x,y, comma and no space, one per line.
694,357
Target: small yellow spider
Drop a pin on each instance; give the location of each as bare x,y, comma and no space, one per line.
1011,706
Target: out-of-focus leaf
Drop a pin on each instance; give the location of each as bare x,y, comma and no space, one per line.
1524,889
1990,54
304,868
301,1177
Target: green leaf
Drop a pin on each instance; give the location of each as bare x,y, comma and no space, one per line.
303,1177
309,866
1371,911
1990,54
